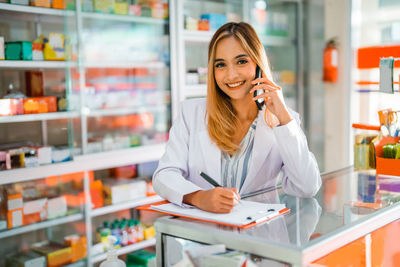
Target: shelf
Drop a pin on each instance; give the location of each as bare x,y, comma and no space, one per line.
126,65
270,40
126,18
102,160
125,205
125,111
32,64
39,117
197,90
197,36
127,249
36,10
41,225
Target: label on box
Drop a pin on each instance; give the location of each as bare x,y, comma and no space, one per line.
16,218
56,207
16,203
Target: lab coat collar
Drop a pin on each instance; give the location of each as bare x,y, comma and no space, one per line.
263,142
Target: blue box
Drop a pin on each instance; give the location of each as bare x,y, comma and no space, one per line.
215,20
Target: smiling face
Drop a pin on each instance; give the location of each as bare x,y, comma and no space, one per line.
234,70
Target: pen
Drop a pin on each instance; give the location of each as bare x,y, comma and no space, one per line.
210,180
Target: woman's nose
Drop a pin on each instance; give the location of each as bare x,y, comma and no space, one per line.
232,74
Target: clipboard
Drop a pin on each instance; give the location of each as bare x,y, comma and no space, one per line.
240,218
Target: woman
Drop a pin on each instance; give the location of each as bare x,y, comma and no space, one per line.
228,138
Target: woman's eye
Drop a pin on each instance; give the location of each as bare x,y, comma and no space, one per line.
219,65
243,61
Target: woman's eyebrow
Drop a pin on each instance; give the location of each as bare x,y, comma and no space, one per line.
238,56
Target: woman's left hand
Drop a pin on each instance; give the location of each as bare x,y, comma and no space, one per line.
272,99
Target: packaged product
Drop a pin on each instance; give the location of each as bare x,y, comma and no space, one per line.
19,50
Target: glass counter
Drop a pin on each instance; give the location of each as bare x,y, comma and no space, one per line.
344,217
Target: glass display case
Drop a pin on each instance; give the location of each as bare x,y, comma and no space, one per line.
354,214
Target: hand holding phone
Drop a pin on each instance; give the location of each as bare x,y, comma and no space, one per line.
260,101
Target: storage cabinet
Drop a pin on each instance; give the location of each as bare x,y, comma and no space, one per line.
106,73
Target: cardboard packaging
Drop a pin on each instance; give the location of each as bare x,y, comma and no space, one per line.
19,50
57,207
26,259
35,211
14,210
34,83
40,3
10,107
5,161
122,190
78,246
56,254
2,56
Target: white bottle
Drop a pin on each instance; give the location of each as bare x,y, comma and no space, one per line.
112,259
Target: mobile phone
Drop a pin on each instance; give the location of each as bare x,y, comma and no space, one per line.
260,101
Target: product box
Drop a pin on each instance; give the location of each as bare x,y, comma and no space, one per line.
140,258
19,50
386,166
121,7
78,246
14,201
17,157
59,4
5,160
96,194
215,20
135,10
31,105
40,3
87,5
37,50
61,154
10,107
56,254
44,154
57,207
35,211
26,259
121,190
15,218
2,56
104,6
20,2
34,83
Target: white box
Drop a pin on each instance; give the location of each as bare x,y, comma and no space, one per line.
2,57
44,155
126,192
56,207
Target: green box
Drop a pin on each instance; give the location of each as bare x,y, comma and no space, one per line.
139,258
19,50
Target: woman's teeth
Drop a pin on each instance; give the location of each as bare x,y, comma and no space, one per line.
235,84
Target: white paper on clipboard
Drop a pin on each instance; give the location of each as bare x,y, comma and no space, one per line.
240,214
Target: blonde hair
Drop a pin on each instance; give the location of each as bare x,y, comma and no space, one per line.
221,116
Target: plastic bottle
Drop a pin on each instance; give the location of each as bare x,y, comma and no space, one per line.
112,259
139,231
131,232
116,232
124,234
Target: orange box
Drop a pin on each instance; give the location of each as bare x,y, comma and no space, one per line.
31,105
51,103
78,246
59,4
96,194
40,3
15,218
388,166
14,201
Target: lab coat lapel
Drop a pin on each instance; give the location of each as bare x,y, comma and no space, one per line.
263,142
211,155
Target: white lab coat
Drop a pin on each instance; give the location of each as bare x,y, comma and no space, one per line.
190,150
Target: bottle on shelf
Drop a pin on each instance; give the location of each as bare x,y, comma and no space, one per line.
112,258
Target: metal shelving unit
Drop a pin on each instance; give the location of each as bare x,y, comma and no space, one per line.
78,69
21,64
41,225
95,161
36,10
125,205
124,18
40,117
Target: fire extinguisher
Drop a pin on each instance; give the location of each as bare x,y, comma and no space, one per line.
330,61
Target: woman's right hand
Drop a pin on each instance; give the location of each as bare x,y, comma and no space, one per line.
217,200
